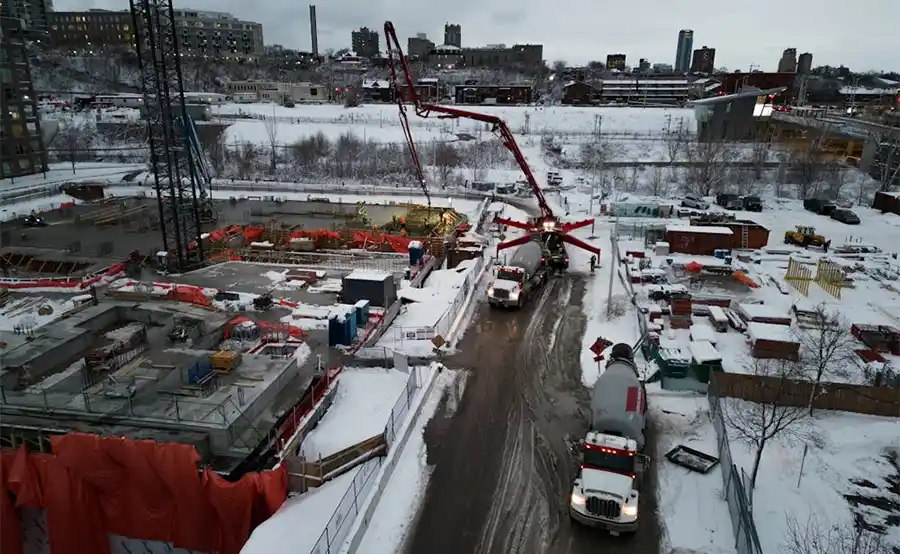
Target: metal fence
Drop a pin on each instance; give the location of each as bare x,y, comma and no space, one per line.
351,504
445,323
337,528
736,485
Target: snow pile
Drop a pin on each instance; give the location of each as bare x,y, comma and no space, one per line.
361,409
32,312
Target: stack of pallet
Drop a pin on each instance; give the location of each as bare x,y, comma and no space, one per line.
680,307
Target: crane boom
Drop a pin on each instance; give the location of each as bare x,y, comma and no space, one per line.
423,109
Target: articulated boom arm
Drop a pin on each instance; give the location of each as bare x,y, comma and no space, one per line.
398,97
498,126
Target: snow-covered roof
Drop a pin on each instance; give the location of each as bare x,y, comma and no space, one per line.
447,48
704,229
428,80
770,332
368,275
703,351
703,332
869,91
754,311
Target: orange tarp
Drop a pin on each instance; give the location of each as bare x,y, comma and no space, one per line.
92,486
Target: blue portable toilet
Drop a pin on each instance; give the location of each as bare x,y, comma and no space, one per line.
362,313
335,331
351,325
416,252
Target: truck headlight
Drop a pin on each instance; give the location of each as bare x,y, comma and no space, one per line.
577,499
491,291
514,295
630,511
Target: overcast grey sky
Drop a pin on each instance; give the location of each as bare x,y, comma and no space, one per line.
863,34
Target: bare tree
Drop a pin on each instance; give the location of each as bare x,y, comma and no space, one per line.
826,345
271,124
446,159
246,158
757,423
759,155
835,177
656,184
806,165
676,141
817,537
886,164
215,150
74,137
708,163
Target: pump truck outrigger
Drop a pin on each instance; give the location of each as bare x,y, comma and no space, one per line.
606,491
544,227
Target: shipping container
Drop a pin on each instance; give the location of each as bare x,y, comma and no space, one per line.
378,287
700,240
747,235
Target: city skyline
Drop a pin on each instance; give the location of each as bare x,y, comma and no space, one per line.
743,36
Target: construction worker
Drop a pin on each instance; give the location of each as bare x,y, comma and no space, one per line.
593,263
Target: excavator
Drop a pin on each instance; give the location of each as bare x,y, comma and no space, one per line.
547,228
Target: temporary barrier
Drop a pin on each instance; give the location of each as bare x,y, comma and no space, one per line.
94,486
103,275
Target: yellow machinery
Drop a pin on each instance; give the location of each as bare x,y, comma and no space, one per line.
804,235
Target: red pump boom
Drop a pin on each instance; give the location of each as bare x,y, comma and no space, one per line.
547,222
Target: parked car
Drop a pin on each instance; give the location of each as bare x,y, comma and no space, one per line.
729,201
35,221
845,216
752,203
819,206
694,201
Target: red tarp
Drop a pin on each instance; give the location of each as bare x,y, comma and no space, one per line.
92,486
224,233
364,240
189,294
253,234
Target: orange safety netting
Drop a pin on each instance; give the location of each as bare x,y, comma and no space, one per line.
189,294
91,486
224,233
267,327
398,244
253,233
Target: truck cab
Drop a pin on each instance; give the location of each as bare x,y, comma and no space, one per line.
508,288
605,493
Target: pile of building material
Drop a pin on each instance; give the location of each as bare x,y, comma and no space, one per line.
762,313
680,311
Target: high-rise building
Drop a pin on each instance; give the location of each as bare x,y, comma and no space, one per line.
683,53
218,34
33,13
365,42
21,143
453,35
91,30
615,61
788,61
804,63
704,60
644,65
419,46
313,31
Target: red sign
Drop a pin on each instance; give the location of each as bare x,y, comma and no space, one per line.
598,347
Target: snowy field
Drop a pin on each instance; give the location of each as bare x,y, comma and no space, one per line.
361,409
847,455
521,119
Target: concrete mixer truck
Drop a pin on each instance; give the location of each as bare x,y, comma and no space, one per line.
515,282
606,491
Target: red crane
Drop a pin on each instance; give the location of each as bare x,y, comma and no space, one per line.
544,225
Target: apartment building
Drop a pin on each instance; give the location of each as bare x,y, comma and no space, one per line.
365,42
90,30
21,144
33,13
218,35
277,92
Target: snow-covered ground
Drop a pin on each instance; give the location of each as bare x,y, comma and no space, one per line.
521,119
33,312
361,409
846,455
400,500
298,524
59,173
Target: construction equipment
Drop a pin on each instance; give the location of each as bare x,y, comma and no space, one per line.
804,236
543,227
514,283
606,490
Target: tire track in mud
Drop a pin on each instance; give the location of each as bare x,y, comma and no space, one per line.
503,465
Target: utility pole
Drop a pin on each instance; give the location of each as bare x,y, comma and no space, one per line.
613,264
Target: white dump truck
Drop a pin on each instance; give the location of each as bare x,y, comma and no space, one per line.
606,491
515,282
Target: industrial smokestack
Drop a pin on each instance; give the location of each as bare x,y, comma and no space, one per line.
312,30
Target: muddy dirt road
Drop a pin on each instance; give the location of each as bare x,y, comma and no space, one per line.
503,462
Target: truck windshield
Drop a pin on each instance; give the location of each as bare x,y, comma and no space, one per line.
611,462
509,275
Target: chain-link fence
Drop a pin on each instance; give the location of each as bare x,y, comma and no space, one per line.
401,408
332,538
735,483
